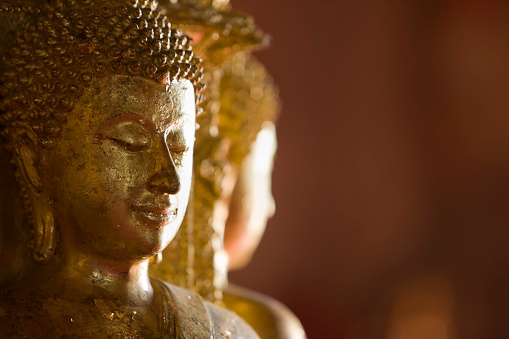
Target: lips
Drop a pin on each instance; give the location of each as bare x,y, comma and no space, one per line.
154,216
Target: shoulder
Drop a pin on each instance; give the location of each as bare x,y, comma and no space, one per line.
27,314
22,316
228,324
269,317
201,319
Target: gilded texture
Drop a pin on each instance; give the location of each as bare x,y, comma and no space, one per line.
13,15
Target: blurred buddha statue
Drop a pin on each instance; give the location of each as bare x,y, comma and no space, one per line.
97,109
250,105
232,166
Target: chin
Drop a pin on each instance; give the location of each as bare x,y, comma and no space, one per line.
129,240
156,240
141,245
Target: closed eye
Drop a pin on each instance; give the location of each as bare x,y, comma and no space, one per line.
132,146
128,135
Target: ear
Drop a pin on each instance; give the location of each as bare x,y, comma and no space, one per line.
28,154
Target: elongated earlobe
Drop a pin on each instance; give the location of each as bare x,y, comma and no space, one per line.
45,235
28,155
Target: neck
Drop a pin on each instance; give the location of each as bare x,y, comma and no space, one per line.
85,274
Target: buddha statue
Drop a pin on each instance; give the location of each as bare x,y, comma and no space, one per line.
249,107
97,110
242,103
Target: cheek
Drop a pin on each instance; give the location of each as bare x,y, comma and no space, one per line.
186,164
185,175
121,172
101,178
121,179
185,171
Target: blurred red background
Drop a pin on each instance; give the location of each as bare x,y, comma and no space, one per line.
392,174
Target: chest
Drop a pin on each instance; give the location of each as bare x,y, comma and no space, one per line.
42,318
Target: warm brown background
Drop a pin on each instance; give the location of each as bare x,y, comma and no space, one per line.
393,161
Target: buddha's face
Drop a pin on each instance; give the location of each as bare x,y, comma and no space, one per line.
120,173
250,203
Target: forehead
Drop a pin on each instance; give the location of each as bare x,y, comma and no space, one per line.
112,95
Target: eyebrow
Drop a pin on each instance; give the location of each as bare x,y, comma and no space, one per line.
126,117
137,118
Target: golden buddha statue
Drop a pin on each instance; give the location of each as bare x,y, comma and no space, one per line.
242,103
249,108
97,109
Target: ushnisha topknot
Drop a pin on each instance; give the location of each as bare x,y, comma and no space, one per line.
72,42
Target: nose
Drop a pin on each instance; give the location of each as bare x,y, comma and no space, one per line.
165,178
